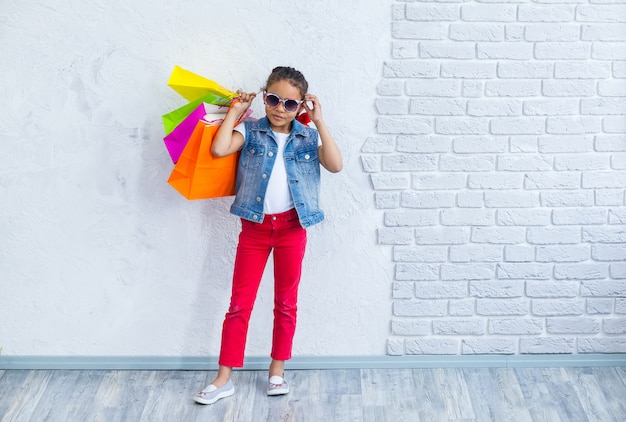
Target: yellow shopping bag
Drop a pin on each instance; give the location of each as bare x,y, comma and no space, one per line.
193,86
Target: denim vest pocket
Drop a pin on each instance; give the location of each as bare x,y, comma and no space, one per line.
307,160
252,155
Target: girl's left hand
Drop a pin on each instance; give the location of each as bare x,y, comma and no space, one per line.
315,109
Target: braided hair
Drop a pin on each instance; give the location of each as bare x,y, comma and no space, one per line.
291,75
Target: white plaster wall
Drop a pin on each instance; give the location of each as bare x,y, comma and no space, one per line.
98,254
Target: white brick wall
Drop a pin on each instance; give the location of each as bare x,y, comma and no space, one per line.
499,169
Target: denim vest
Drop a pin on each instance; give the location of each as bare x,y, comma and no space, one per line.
255,166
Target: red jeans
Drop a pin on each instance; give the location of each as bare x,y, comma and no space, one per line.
284,234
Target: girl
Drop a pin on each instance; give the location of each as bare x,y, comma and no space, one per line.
278,183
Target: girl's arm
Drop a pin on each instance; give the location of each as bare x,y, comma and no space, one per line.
227,140
329,154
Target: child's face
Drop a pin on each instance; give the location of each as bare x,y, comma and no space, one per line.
280,119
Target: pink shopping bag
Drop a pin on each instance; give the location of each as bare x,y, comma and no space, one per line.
176,140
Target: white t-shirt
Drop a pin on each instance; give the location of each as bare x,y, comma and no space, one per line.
278,196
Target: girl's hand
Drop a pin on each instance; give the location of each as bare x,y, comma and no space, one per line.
244,101
315,109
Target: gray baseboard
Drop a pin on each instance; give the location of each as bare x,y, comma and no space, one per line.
313,362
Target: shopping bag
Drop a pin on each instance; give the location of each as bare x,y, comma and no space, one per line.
200,175
174,118
192,86
176,140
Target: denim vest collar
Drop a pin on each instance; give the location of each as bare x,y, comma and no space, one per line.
263,125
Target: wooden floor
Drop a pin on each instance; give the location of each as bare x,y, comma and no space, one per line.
481,394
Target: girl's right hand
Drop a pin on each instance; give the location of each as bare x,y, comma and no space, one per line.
244,101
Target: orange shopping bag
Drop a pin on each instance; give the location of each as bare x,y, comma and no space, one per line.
200,175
